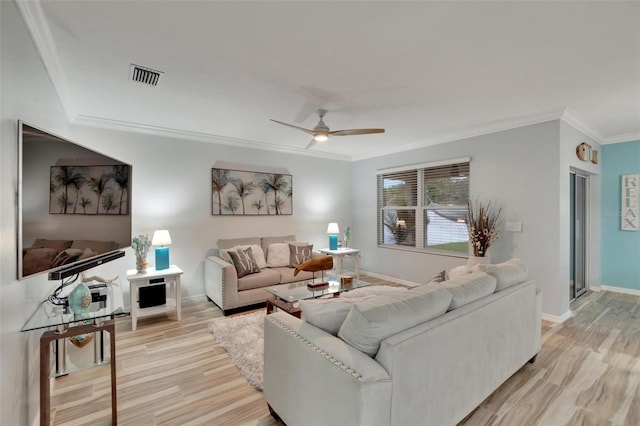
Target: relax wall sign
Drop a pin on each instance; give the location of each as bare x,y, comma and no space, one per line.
629,193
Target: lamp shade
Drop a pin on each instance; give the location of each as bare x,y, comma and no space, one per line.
333,228
161,237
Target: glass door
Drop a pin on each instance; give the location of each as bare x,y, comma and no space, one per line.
578,233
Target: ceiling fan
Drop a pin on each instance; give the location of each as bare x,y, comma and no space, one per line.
321,131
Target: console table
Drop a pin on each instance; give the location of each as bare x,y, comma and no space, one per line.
63,324
340,255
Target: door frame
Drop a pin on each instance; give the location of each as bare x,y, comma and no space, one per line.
587,233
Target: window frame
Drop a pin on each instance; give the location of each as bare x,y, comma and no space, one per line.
421,208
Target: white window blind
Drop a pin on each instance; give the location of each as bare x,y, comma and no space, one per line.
424,206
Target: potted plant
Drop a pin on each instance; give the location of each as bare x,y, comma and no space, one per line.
482,224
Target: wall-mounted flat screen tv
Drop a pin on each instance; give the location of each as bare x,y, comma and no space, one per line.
74,204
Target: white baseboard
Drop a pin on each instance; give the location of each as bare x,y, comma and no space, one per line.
557,319
615,289
394,279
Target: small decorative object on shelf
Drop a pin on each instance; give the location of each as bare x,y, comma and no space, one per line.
347,236
346,281
318,286
80,299
482,224
141,245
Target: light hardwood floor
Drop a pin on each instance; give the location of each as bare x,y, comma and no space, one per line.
170,373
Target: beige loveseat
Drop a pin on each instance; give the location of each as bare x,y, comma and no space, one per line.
223,286
428,356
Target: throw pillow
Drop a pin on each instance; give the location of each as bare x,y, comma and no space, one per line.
458,271
258,254
299,254
244,262
468,288
371,321
372,290
278,255
439,277
507,274
328,314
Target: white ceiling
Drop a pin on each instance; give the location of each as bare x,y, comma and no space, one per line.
428,72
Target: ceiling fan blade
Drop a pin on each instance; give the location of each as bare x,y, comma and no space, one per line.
295,127
351,132
312,143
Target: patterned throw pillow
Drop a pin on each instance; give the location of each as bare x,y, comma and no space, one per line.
299,254
244,262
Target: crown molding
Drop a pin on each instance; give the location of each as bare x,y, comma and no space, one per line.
41,34
105,123
572,118
469,132
628,137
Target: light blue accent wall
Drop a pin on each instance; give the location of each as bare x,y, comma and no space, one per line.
620,249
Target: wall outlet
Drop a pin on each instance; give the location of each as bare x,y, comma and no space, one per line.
514,226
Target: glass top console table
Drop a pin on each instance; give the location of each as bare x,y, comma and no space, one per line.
107,303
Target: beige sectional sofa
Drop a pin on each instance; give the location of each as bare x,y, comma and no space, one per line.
226,289
428,356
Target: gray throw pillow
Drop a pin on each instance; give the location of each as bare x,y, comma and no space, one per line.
299,254
244,262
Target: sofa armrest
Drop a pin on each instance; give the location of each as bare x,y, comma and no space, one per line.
310,374
220,282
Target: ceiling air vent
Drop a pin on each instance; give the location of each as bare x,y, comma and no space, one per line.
145,75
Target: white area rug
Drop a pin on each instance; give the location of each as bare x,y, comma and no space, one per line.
243,338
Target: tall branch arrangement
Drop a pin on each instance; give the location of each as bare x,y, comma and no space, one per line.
482,224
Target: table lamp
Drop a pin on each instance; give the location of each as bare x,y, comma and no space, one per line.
333,232
161,238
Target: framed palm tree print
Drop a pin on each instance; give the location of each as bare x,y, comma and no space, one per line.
89,190
242,193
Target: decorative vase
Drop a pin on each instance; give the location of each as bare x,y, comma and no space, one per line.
141,265
80,299
478,260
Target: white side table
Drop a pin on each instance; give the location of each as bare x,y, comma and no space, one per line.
170,277
340,255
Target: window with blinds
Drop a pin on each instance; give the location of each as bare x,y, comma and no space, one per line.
424,206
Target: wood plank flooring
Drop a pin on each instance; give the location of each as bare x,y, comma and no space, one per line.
170,373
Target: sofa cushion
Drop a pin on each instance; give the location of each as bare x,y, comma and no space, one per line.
232,242
264,278
468,288
299,253
256,250
372,290
508,273
458,271
244,262
371,321
278,255
329,314
265,242
287,275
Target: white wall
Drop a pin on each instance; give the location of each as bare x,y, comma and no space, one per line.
519,169
171,189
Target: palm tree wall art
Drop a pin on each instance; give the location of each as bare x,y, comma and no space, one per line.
242,193
105,189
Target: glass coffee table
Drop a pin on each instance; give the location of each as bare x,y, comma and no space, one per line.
287,298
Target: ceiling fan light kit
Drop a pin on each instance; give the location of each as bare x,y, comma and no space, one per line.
321,131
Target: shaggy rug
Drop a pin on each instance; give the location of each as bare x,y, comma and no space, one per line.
243,338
